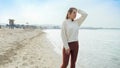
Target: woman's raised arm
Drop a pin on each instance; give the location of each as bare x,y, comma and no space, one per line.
82,18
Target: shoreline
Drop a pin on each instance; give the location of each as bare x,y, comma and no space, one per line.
28,49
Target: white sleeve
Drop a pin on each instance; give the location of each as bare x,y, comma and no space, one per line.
82,18
64,37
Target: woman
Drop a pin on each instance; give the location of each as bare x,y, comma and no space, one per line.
69,33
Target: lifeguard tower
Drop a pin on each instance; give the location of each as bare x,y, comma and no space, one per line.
11,23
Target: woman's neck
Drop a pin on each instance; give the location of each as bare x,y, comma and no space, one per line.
71,19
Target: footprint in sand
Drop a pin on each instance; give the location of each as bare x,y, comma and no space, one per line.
24,64
39,58
36,67
31,62
24,58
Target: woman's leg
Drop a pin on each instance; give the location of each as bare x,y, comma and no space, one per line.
74,52
65,59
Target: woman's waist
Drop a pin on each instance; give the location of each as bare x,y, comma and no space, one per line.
72,41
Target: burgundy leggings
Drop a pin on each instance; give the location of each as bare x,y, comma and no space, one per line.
74,47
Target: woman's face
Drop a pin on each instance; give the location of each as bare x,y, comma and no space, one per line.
73,14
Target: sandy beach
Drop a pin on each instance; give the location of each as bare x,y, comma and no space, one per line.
21,48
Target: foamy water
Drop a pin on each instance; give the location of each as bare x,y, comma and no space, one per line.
97,48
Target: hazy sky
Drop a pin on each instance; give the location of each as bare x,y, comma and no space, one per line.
101,13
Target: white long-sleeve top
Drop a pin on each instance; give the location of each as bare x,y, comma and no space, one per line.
70,29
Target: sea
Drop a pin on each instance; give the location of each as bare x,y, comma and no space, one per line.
98,48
